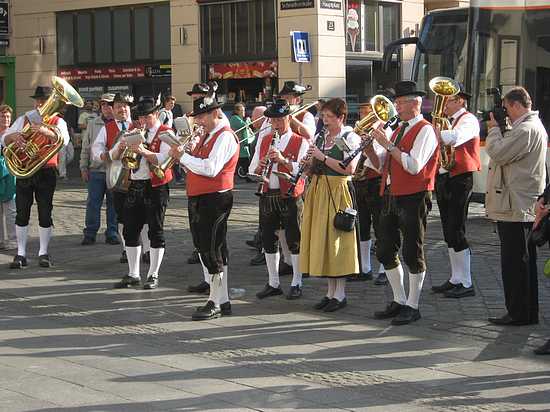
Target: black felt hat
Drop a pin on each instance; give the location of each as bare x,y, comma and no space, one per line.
291,87
279,108
42,92
199,88
463,93
147,105
123,98
205,104
407,88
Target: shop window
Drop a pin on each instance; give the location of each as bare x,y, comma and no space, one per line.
122,35
161,25
102,37
65,39
84,37
142,33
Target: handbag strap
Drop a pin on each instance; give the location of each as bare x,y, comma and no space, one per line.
330,193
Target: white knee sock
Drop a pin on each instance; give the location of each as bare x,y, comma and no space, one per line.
215,288
463,266
272,263
22,233
416,280
145,242
340,289
204,270
134,256
365,256
331,288
296,274
381,268
45,234
224,292
455,274
121,235
156,259
395,277
284,247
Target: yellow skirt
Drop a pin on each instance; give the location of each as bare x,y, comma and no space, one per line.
325,250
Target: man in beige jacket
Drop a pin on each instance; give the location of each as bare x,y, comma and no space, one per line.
515,180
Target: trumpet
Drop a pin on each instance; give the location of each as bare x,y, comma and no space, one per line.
382,110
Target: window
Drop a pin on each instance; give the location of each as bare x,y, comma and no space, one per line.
84,37
142,33
65,39
161,25
102,37
122,36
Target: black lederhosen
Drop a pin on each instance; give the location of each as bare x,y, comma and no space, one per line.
278,213
40,186
145,204
208,214
119,198
369,204
403,216
453,198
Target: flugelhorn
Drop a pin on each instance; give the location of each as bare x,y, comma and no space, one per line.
23,162
130,160
384,111
443,88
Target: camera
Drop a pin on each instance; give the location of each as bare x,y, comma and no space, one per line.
499,111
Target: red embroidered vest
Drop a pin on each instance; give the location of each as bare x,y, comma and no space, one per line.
155,147
467,154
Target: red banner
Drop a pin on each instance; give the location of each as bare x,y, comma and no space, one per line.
103,73
244,70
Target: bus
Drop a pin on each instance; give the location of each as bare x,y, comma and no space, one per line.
491,44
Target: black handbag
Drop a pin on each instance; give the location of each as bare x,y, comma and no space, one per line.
343,220
540,235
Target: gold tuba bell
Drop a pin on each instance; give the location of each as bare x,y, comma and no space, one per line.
23,162
443,88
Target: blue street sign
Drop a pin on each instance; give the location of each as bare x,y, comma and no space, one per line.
301,52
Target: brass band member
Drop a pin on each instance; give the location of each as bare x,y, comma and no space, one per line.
147,197
411,164
210,175
453,191
304,122
40,186
278,209
366,182
325,250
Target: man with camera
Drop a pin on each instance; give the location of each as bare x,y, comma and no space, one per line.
515,178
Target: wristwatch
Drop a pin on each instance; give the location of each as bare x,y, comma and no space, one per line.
390,147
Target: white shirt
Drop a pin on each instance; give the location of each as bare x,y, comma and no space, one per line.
33,116
264,131
143,172
100,143
309,123
465,130
223,150
166,117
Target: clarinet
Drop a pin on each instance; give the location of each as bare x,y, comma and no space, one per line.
266,173
320,139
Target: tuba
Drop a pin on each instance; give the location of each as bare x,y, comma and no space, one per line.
23,162
443,88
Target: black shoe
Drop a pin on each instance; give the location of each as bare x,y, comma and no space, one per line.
295,292
406,315
112,240
507,320
123,257
87,241
146,258
269,291
151,283
391,311
360,277
258,260
206,312
194,258
18,262
253,244
285,269
444,287
322,304
335,305
543,350
382,279
44,261
126,282
459,291
226,309
201,288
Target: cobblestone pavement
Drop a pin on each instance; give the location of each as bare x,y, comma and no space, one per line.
71,343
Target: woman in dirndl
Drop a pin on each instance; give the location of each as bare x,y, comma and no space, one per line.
326,251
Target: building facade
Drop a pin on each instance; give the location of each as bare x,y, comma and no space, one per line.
151,46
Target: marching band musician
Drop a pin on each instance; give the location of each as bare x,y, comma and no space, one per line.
277,208
304,122
453,192
326,251
147,196
210,179
40,186
411,164
366,182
